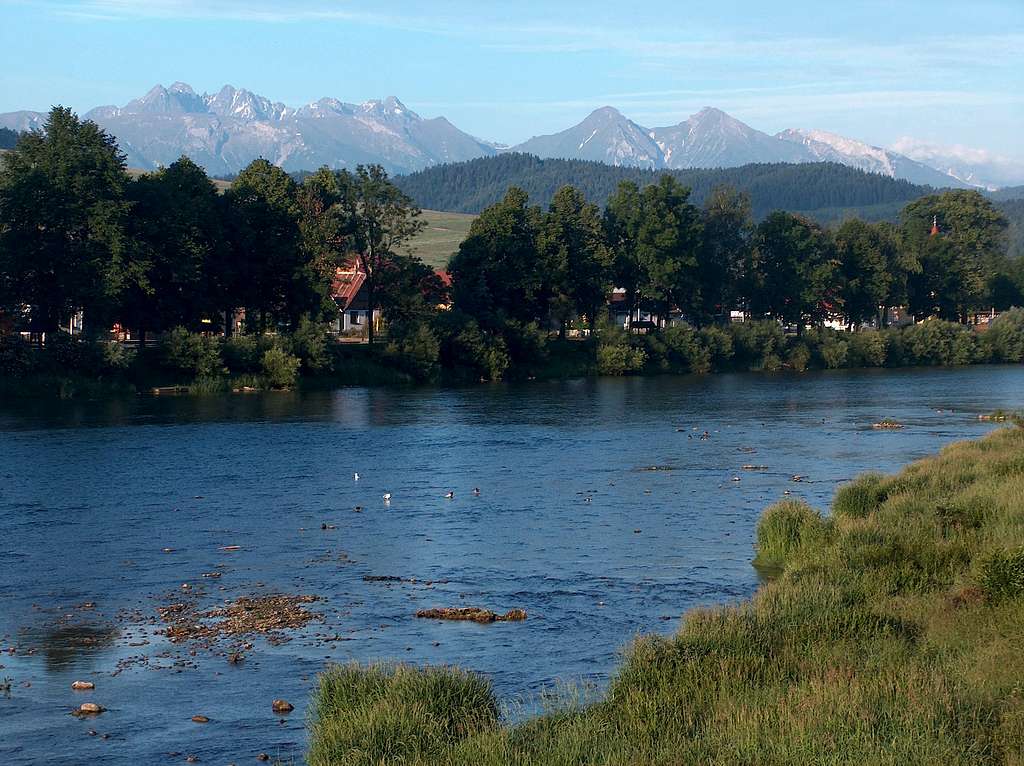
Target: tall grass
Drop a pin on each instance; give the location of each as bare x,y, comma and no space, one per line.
893,634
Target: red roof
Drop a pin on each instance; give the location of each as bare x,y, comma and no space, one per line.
445,277
346,286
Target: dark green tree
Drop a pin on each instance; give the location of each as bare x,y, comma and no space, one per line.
793,274
176,231
383,221
326,221
497,275
622,218
668,243
573,250
866,254
958,260
724,252
62,223
266,255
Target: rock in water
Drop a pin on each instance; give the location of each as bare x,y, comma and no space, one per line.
281,706
200,719
82,686
90,708
472,613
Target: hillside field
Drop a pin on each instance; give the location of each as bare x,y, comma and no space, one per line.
437,243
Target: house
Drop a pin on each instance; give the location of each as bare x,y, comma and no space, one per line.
348,291
445,304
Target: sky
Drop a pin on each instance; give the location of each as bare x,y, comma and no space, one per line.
950,73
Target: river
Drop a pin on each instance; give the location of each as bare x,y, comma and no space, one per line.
601,512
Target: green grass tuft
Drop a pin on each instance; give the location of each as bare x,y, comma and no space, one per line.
393,714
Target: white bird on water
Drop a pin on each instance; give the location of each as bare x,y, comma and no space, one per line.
355,476
387,497
450,496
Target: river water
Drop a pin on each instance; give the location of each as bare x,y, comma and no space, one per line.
601,512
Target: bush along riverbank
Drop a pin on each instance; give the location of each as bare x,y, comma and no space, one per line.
891,633
69,366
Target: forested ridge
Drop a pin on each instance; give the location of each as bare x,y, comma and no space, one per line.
469,187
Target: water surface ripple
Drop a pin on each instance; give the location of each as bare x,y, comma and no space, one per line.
601,512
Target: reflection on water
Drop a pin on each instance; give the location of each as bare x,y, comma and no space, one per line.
602,512
64,646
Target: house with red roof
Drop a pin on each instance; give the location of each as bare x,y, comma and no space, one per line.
348,291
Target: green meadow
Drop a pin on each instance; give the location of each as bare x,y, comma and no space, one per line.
440,239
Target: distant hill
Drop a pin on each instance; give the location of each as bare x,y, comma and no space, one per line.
1006,193
1014,211
826,191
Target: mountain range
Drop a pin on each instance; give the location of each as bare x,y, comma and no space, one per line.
224,131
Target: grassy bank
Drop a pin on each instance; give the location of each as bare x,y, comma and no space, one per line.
893,634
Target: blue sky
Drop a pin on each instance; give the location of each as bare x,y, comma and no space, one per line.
945,72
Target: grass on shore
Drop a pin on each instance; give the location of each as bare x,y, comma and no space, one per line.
893,634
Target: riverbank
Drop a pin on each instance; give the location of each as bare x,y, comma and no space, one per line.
891,634
70,367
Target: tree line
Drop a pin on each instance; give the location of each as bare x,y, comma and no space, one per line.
165,250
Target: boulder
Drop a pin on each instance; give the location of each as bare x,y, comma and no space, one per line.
281,706
472,614
200,719
82,686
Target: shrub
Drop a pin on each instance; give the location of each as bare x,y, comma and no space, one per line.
859,497
192,353
686,351
309,343
758,345
1001,574
799,357
66,353
16,357
415,350
242,354
396,714
615,353
936,342
832,348
658,356
784,528
867,348
718,343
526,342
117,357
472,348
280,368
1005,336
619,359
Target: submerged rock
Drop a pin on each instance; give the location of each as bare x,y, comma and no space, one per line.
472,614
200,719
281,706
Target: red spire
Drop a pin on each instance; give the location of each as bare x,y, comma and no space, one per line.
935,225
